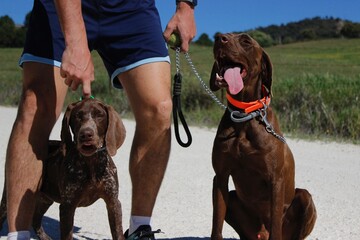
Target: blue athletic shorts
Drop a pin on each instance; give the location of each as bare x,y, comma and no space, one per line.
125,33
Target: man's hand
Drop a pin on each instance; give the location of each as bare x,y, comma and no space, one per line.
183,23
77,68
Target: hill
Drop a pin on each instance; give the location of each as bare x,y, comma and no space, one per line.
305,30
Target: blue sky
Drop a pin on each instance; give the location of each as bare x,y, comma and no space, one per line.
232,15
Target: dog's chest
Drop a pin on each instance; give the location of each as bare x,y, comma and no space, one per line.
85,169
240,140
246,155
88,179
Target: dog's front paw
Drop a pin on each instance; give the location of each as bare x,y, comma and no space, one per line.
263,233
41,234
216,236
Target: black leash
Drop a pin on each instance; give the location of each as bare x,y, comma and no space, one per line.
177,112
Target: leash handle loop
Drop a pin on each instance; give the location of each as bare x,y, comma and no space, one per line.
177,112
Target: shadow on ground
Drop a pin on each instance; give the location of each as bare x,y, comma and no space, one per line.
51,227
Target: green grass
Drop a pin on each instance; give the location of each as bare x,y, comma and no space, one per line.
10,76
316,87
334,57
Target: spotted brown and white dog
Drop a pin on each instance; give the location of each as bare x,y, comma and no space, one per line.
79,169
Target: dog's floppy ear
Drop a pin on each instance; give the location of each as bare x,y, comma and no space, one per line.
66,137
214,71
266,71
115,134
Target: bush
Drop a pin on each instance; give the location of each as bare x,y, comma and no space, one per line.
262,38
351,30
204,40
315,104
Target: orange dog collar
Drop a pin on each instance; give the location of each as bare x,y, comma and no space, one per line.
248,106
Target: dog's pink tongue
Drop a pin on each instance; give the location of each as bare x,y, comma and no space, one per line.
233,78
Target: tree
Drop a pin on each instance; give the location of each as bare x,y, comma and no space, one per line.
351,30
19,37
12,35
204,40
262,38
307,34
27,19
7,31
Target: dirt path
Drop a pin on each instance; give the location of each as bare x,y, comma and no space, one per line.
330,171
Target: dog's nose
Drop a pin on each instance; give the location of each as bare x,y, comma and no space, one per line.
221,38
86,134
224,39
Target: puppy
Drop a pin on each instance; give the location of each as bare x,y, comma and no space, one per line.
79,169
250,148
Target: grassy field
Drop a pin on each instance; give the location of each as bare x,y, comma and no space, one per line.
318,84
316,87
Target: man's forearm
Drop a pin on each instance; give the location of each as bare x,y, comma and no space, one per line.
71,21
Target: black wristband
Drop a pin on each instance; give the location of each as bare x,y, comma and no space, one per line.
192,2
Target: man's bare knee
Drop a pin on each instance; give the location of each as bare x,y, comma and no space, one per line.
35,120
35,104
163,114
158,115
28,104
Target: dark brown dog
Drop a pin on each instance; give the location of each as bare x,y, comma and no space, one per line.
79,170
250,148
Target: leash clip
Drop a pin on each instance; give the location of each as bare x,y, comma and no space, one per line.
268,127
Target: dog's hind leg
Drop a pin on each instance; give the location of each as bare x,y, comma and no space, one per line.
300,217
245,223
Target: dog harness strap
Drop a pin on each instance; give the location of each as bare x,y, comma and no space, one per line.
248,106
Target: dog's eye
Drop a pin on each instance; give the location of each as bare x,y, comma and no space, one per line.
79,115
98,114
245,40
246,43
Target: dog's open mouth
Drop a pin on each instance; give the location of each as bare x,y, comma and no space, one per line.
88,148
231,77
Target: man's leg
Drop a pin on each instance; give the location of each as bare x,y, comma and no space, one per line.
148,90
40,105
